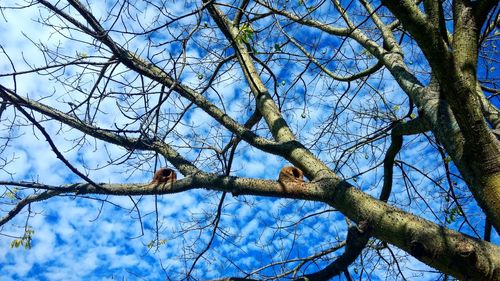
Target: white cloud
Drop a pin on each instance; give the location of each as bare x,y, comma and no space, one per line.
101,239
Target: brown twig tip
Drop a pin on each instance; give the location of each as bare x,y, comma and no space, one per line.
164,175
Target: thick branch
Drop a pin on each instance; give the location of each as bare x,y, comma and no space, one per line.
426,34
265,104
389,40
394,148
455,69
357,237
490,112
412,127
298,155
155,73
183,165
444,249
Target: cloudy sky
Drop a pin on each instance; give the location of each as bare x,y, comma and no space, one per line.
109,238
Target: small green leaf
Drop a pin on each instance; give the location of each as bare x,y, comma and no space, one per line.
11,194
245,33
82,55
396,107
452,216
15,243
25,241
152,243
413,116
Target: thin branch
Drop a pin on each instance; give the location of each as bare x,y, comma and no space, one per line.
59,155
235,185
361,74
183,165
28,200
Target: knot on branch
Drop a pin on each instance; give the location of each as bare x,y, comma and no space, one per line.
419,250
466,251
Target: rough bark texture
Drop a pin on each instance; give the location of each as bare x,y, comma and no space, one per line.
451,106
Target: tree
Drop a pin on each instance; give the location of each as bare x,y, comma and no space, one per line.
346,91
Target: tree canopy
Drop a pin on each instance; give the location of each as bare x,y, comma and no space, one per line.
389,109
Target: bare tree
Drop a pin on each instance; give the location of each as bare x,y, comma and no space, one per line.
345,91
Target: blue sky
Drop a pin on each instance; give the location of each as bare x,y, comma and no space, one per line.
102,237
